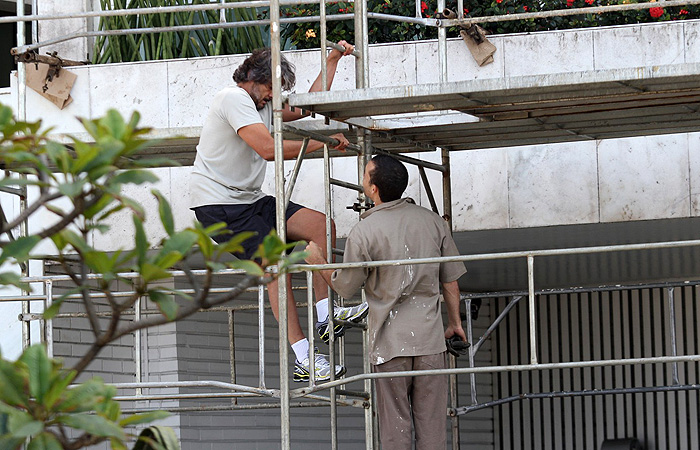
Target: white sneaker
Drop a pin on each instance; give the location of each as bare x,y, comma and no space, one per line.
322,369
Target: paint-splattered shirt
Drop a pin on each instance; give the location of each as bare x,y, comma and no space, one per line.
404,301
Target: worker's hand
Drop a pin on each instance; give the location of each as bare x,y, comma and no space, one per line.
336,54
455,330
343,141
315,254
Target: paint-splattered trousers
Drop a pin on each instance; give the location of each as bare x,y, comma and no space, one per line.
404,402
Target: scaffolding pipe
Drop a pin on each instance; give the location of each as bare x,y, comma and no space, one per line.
507,368
345,184
232,347
470,339
153,10
672,331
235,408
261,339
328,209
545,395
428,190
295,172
214,26
565,12
616,287
48,324
340,48
531,308
137,344
511,304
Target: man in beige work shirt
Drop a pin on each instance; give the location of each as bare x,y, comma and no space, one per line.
405,321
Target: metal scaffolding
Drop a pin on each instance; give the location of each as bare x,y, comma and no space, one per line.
363,102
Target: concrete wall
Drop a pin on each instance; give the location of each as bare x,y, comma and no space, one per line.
616,180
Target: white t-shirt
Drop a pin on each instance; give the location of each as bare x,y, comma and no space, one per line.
226,169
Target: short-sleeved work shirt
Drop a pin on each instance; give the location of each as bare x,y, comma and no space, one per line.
404,301
226,169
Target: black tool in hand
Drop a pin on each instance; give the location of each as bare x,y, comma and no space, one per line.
456,346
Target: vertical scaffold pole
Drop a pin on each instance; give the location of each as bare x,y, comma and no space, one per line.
22,116
442,46
281,222
361,82
447,211
331,304
672,331
533,318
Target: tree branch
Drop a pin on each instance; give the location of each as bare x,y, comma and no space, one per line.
31,209
199,303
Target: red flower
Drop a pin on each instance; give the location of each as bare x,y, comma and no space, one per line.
590,2
656,12
524,8
499,1
684,12
466,11
569,2
423,6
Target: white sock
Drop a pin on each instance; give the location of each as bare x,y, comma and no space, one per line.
301,349
322,309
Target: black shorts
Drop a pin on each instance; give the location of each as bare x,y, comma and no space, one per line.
260,217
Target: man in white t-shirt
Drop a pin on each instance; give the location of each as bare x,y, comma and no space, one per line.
228,173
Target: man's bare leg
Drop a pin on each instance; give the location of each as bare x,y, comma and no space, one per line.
309,225
295,333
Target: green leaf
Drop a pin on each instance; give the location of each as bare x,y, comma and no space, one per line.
39,367
117,444
11,385
19,249
45,441
150,272
76,240
166,214
72,190
167,260
101,263
166,303
114,123
8,442
93,424
85,396
24,425
137,419
59,384
141,242
233,245
251,267
13,279
180,242
134,176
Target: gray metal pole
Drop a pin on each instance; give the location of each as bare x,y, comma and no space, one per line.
48,324
470,339
137,345
261,335
232,348
281,219
442,46
531,308
331,303
672,331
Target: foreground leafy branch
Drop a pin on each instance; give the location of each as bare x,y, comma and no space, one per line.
80,187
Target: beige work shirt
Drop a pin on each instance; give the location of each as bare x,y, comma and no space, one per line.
404,301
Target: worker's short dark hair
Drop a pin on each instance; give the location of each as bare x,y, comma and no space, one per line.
390,176
258,68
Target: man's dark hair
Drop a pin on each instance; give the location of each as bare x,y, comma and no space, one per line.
390,176
258,68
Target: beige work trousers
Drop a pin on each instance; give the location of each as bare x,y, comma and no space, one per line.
418,401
